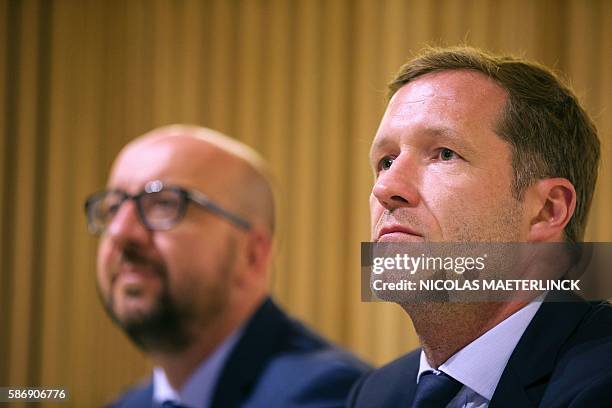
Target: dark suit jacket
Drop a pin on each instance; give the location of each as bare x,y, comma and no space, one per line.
564,359
276,363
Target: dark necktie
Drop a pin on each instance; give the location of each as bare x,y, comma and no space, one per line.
435,390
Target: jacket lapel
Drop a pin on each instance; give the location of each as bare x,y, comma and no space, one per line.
407,388
263,336
526,376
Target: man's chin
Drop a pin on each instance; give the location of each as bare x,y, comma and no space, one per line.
153,324
136,310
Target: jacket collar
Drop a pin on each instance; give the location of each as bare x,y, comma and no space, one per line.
263,336
535,355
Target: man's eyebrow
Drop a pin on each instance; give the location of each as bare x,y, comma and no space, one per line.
380,142
440,133
443,133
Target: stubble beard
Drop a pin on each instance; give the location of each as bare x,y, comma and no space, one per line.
501,226
167,326
161,328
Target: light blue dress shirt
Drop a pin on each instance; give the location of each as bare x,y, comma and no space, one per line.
199,388
480,364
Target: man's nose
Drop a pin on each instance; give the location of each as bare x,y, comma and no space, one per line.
126,228
398,186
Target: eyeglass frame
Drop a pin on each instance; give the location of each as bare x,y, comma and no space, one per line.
186,195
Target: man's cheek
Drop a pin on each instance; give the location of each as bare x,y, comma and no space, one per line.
102,264
374,204
375,213
103,278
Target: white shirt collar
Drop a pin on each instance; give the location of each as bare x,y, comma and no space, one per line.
480,365
199,388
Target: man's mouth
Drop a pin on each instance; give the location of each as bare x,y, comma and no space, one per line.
132,278
398,233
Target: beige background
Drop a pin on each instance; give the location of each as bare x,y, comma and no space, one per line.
301,81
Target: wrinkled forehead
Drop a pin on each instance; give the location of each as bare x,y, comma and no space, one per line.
449,102
456,92
184,161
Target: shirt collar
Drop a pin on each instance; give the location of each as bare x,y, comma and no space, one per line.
198,390
480,364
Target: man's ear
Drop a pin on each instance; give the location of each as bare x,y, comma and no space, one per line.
255,257
550,204
259,250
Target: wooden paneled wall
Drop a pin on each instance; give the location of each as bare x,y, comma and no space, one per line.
302,81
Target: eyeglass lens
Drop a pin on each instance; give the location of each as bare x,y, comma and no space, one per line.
158,210
161,209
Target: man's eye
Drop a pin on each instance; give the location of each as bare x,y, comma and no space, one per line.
447,154
385,163
113,208
165,202
110,208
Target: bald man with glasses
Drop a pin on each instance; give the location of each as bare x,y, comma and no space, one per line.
186,229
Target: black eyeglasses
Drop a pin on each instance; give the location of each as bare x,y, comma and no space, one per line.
159,207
